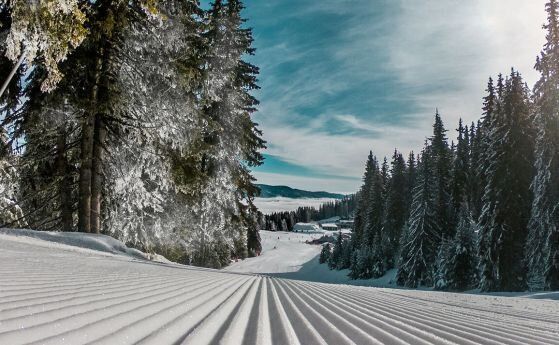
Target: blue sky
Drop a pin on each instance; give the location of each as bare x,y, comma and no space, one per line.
340,77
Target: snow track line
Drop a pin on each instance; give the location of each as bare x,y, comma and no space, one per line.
357,335
488,327
458,332
459,326
49,296
369,319
100,304
44,301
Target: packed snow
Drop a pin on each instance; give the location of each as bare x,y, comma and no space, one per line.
287,255
73,240
53,293
282,204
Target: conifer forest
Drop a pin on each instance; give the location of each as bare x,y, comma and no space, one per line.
131,119
480,211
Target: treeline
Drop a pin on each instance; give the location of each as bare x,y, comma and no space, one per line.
137,125
284,221
483,213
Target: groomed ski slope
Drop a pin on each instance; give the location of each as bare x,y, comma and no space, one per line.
57,294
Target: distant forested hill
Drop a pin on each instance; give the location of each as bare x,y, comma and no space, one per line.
267,191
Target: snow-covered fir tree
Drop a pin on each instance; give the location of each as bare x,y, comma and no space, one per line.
441,158
507,197
542,254
457,259
460,171
360,222
420,247
149,135
325,253
396,210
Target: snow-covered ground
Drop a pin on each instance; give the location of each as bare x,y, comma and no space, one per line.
281,204
286,255
53,293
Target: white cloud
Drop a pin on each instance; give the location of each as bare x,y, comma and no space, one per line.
440,51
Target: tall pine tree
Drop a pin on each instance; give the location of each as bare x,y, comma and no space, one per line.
542,252
507,196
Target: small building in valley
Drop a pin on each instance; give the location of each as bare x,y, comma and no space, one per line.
330,227
309,228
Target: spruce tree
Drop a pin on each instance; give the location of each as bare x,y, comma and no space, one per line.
411,177
325,253
360,221
507,196
419,251
375,206
441,157
457,268
334,261
396,212
542,253
460,171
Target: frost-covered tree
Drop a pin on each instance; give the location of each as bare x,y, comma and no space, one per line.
148,169
334,261
480,146
441,158
325,254
460,171
375,206
542,254
11,214
411,177
457,260
46,29
396,210
420,247
507,198
371,167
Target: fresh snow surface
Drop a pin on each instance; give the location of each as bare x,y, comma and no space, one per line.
282,204
287,255
53,294
94,242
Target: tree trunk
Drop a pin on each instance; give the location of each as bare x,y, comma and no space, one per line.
84,208
87,144
97,178
64,187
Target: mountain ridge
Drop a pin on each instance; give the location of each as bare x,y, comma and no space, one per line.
269,191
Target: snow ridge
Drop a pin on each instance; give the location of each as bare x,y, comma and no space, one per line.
49,295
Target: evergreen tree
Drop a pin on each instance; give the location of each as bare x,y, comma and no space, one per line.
396,212
441,157
325,254
335,259
347,251
460,170
423,237
542,254
411,176
375,206
360,222
475,183
507,197
457,264
483,142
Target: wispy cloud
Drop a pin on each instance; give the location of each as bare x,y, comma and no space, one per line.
341,77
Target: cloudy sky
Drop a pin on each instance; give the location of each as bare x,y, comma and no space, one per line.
342,77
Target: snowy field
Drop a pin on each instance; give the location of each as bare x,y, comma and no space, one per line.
282,204
286,255
53,293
